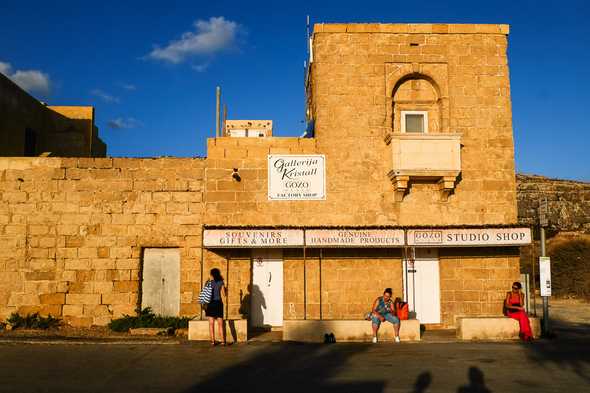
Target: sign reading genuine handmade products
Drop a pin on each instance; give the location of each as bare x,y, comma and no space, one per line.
296,177
469,237
354,238
252,238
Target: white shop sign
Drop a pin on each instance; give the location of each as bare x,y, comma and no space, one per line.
354,238
545,275
252,238
469,237
296,177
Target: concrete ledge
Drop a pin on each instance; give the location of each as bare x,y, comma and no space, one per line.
236,330
493,328
346,330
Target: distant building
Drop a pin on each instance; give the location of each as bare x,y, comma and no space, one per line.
30,128
248,128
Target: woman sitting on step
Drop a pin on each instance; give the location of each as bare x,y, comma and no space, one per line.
384,310
514,307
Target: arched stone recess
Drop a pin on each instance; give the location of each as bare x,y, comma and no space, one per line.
430,155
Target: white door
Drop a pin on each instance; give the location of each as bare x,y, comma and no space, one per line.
160,287
266,309
422,284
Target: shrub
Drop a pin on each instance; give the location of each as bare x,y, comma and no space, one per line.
33,321
147,319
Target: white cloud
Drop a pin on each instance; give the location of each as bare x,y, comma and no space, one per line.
124,123
5,68
209,37
106,97
128,86
200,67
33,81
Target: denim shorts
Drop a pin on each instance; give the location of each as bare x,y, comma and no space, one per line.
388,317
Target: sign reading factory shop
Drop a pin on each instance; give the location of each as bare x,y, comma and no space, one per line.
469,237
296,177
354,237
252,238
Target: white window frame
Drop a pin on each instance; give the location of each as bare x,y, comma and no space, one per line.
403,119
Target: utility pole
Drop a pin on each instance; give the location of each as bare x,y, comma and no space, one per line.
543,222
217,104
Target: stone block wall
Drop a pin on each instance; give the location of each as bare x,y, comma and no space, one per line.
72,233
475,281
350,282
355,71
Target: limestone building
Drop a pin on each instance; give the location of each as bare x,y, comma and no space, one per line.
408,182
30,128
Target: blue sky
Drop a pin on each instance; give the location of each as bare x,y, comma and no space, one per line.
151,69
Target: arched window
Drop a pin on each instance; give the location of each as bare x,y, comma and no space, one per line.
416,106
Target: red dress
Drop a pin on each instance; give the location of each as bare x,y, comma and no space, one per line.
520,315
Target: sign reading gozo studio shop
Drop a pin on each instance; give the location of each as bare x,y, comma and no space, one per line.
469,237
252,238
296,177
354,238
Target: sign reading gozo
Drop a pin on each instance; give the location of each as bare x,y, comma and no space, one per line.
296,177
252,238
469,237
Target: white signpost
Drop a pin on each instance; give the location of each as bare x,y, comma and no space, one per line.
296,177
545,275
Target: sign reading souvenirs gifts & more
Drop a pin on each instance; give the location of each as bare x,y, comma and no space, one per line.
469,237
252,238
296,177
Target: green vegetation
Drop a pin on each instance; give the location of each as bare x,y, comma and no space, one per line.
147,319
33,321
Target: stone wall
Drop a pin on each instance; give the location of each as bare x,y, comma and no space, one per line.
349,282
72,231
568,202
355,72
475,281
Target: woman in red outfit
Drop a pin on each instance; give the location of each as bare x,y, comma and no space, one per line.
514,304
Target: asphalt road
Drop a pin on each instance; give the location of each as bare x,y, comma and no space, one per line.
544,366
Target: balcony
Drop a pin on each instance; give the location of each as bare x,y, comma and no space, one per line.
425,157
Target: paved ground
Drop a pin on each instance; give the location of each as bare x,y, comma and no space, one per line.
544,366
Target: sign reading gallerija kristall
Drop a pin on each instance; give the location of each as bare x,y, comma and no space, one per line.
296,177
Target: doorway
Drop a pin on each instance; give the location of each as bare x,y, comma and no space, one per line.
160,286
422,285
266,308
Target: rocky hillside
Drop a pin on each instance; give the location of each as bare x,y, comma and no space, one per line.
568,202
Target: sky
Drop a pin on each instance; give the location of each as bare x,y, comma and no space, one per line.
150,68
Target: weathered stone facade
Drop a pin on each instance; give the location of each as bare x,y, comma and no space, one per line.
568,203
72,230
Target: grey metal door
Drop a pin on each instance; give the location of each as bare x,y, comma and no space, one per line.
161,280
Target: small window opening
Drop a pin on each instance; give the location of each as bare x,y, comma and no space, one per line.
30,143
414,121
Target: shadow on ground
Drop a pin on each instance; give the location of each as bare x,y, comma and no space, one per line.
567,347
286,369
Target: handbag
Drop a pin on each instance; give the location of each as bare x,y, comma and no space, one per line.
206,293
402,311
